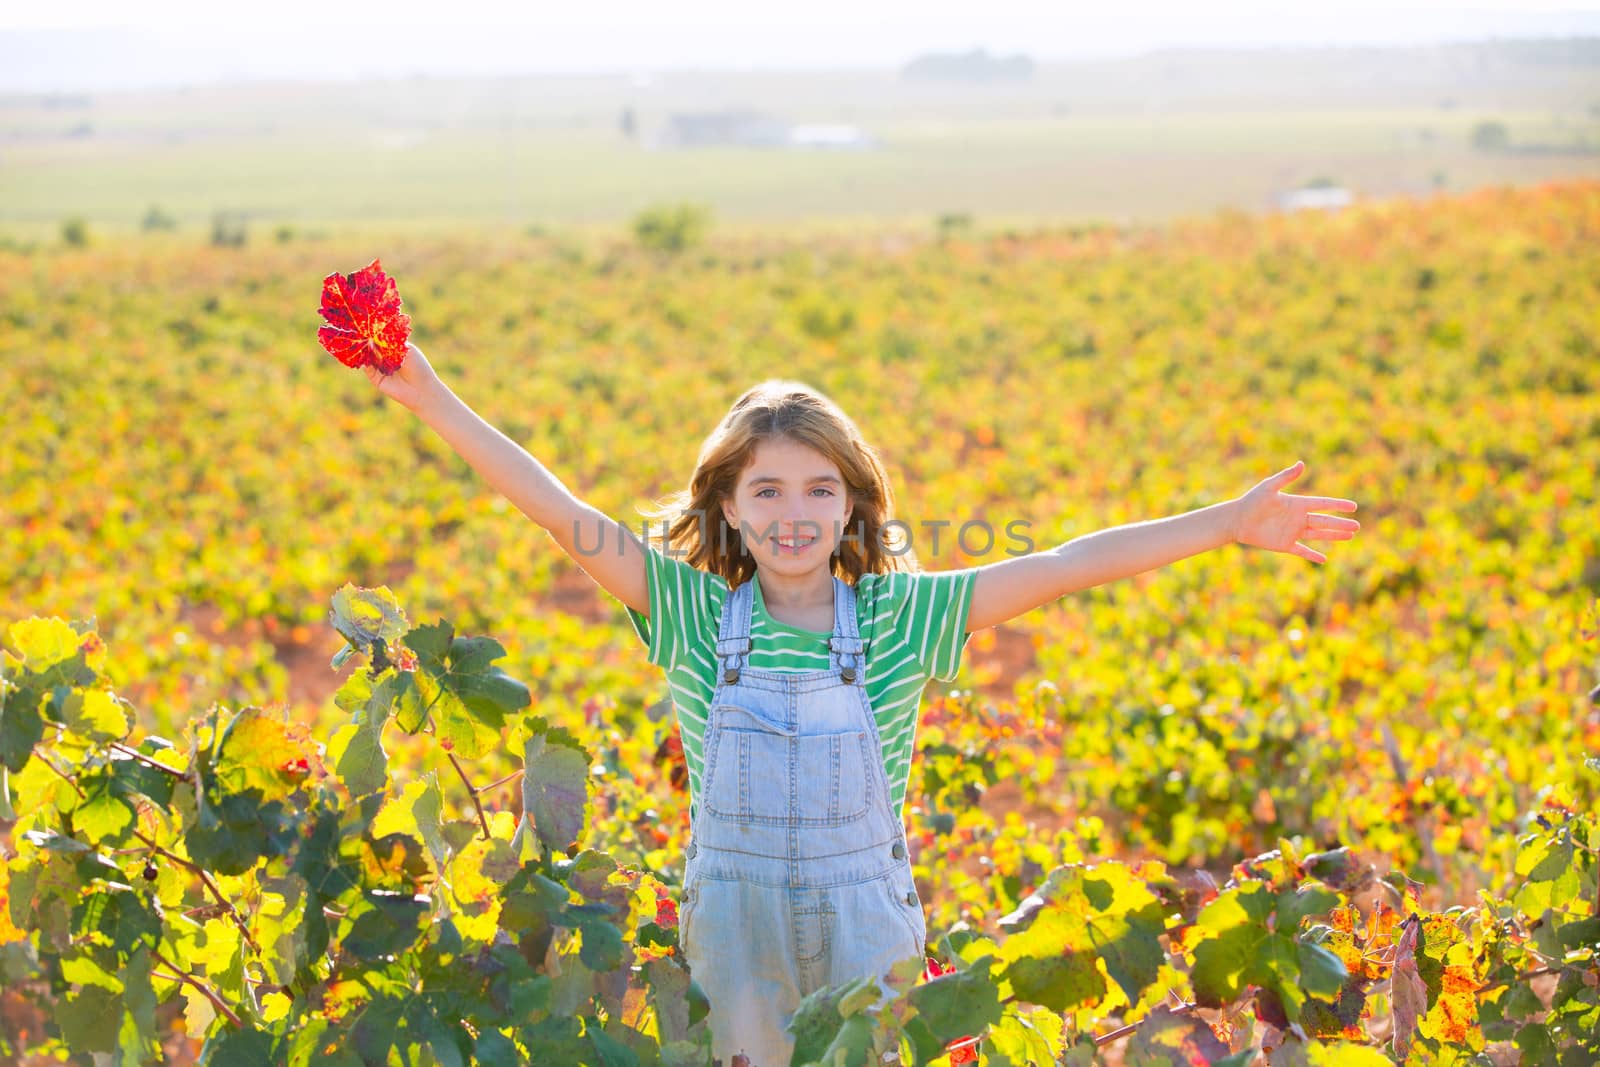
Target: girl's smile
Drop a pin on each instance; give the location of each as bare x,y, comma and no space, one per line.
790,504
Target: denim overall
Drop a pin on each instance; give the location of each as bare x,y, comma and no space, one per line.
796,874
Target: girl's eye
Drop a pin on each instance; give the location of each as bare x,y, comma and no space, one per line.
761,493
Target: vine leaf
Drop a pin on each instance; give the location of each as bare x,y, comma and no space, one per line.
363,616
365,326
555,785
1407,991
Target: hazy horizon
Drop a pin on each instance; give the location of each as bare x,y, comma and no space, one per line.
87,48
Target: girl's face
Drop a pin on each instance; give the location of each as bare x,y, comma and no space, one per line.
790,505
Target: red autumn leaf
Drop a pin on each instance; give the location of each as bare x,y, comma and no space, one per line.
962,1053
1408,993
666,912
365,324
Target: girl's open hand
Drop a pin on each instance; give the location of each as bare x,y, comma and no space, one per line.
1267,518
412,384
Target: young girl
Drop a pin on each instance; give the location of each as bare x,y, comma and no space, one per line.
797,634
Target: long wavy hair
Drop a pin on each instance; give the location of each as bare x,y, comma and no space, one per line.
691,523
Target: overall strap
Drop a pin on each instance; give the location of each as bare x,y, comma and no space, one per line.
733,641
846,641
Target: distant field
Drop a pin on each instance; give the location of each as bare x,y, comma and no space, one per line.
1148,139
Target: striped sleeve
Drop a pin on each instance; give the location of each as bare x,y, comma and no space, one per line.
935,618
681,609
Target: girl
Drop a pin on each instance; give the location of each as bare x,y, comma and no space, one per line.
797,634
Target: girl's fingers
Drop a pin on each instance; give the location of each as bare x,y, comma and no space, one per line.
1331,522
1332,503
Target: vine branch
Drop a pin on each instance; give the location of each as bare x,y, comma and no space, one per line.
483,820
205,878
180,975
147,761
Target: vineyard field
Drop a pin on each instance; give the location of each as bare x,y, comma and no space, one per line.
1241,809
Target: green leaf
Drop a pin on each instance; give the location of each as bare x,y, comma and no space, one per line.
53,657
132,778
1241,949
1321,972
555,789
492,694
1296,904
21,727
459,729
356,691
236,831
494,1049
379,1029
1078,914
431,643
1585,933
103,817
245,1047
612,1052
1553,879
822,1033
1344,1054
416,810
467,697
429,1018
410,706
385,924
363,616
1061,982
960,1003
90,1020
43,643
557,1039
602,946
87,969
96,714
1029,1038
7,812
852,1045
356,751
257,753
473,655
530,902
136,1037
117,917
1535,1043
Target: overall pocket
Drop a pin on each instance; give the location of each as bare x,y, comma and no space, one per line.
748,773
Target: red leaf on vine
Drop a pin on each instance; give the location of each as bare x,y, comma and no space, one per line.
365,324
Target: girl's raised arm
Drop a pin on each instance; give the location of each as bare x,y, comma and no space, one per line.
602,547
1263,517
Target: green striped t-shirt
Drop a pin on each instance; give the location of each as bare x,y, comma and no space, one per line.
914,624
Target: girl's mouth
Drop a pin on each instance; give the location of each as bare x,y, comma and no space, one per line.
794,546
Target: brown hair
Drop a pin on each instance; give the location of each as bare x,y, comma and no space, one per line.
697,531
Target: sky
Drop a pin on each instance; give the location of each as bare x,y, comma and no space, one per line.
93,44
